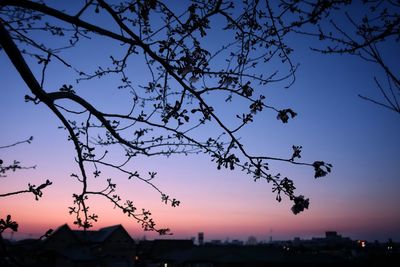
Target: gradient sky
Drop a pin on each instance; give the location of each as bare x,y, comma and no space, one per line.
358,199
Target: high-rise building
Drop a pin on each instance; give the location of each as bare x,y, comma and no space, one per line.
201,238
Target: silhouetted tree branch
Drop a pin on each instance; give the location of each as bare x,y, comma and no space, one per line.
369,29
16,165
28,141
5,256
36,191
168,112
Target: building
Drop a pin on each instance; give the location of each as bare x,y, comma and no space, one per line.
110,246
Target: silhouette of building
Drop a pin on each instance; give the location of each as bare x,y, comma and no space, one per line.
201,238
109,246
112,246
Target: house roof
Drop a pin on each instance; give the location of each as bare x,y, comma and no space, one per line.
106,232
91,236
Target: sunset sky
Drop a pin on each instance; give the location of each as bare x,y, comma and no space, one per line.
359,199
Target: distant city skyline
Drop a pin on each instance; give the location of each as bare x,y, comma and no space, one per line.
20,235
112,245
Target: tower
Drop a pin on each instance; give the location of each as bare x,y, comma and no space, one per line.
201,238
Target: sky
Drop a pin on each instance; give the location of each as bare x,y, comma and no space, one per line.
359,199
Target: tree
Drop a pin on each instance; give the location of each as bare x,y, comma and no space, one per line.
186,75
365,32
8,222
14,166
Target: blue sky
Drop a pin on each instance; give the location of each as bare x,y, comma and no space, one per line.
358,199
